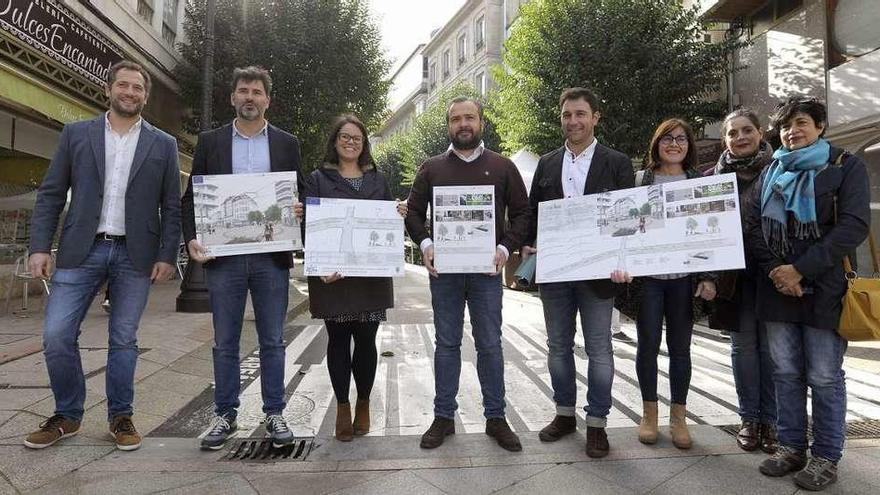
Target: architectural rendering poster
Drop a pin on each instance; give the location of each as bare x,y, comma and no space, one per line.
464,229
678,227
246,213
355,237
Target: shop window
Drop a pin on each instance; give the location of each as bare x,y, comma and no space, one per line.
169,21
462,49
480,32
146,10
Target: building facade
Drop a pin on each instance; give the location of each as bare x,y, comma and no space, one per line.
54,58
463,49
829,49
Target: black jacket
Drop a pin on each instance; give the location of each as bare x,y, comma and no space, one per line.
214,156
820,261
609,170
357,294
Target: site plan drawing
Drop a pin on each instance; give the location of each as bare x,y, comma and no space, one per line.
678,227
355,237
464,229
246,213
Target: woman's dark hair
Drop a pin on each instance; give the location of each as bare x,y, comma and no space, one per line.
365,160
786,110
691,161
741,112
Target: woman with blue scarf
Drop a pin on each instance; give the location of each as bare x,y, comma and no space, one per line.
799,242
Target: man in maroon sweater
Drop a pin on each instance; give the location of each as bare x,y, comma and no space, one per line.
469,163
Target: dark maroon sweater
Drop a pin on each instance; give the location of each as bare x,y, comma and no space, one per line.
490,169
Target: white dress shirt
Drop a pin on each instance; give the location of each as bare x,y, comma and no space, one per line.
468,159
575,170
118,156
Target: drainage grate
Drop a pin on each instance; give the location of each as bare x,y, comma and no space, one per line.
257,450
868,429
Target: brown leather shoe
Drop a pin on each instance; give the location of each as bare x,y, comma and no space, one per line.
597,442
498,429
52,430
558,428
769,442
125,434
437,432
748,436
344,430
361,423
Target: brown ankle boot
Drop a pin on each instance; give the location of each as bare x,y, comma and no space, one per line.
361,422
648,424
681,437
344,430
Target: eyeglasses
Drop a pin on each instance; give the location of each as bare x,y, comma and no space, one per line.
681,140
349,138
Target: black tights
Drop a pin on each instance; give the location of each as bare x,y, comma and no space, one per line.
343,363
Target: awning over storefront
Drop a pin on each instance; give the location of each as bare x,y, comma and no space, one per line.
29,92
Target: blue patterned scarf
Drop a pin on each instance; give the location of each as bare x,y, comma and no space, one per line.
789,187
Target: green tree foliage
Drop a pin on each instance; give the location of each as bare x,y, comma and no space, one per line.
645,210
324,56
255,216
273,214
645,59
401,155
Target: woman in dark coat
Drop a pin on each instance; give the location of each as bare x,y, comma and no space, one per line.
746,155
799,241
352,308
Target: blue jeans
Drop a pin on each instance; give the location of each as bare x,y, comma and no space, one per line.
805,356
72,292
752,365
672,299
482,293
229,278
562,301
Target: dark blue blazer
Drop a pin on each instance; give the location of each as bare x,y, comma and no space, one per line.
214,156
152,197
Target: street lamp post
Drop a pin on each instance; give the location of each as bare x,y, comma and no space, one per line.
193,297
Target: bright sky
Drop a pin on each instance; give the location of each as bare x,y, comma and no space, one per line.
406,23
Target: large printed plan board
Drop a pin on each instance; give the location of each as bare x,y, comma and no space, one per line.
464,229
246,213
354,237
678,227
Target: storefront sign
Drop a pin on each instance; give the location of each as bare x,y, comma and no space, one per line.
52,28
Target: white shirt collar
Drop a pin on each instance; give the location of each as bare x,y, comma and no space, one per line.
476,154
588,151
235,130
135,127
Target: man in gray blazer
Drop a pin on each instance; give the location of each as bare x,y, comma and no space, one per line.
122,226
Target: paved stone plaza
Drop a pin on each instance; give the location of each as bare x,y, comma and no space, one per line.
173,405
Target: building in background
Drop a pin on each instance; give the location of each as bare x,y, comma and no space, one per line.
463,49
54,57
829,49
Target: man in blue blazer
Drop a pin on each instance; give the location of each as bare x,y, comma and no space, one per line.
249,144
122,227
582,166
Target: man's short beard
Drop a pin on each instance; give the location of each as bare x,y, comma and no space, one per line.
119,109
467,144
241,114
